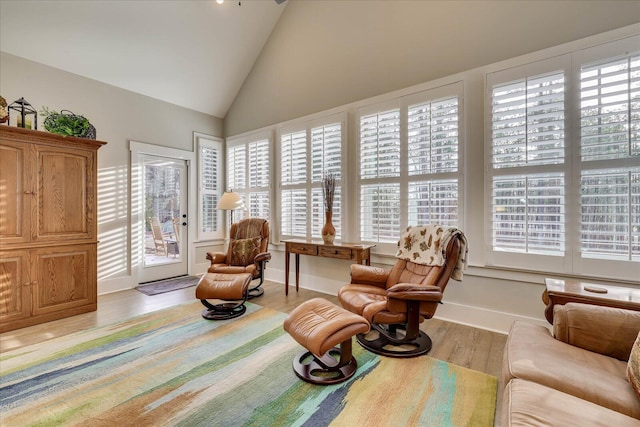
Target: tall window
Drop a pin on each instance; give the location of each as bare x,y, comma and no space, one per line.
609,159
379,173
564,173
209,187
409,163
528,132
306,154
248,174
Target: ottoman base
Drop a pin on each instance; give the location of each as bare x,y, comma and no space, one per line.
319,326
336,366
222,311
226,287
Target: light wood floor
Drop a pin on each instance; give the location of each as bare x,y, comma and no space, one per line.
473,348
462,345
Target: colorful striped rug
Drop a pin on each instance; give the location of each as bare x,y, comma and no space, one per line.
173,368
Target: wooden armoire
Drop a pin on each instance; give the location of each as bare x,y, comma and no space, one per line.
48,226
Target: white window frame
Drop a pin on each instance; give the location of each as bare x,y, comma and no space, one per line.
590,266
572,262
511,259
309,186
209,142
246,190
454,89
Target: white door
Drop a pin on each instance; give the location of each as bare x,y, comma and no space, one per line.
164,198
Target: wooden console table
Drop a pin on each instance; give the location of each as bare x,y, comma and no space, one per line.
565,291
347,251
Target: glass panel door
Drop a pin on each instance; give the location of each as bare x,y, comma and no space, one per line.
165,218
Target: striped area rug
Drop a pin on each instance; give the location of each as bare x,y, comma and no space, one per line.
173,368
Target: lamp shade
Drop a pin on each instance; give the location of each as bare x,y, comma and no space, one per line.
230,201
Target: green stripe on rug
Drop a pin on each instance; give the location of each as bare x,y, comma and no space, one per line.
173,368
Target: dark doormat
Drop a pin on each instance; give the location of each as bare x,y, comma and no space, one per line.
167,285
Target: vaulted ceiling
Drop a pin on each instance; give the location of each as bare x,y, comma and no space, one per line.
195,54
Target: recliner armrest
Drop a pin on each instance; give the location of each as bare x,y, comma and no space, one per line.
262,257
217,257
367,275
411,291
605,330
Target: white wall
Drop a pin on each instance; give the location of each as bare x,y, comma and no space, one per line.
323,54
119,116
490,298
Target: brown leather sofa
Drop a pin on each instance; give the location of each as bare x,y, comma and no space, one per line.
575,376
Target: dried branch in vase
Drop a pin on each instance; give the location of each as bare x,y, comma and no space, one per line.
328,190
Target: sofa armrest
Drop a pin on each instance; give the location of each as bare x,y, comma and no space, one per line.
605,330
367,275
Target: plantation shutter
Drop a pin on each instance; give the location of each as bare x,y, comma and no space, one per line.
293,149
380,158
434,202
259,164
433,150
380,144
379,218
326,151
294,212
610,140
237,167
326,157
294,158
433,137
527,131
209,175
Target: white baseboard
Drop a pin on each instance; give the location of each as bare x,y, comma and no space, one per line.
109,286
477,317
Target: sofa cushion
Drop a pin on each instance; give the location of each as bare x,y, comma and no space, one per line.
633,367
605,330
532,354
530,404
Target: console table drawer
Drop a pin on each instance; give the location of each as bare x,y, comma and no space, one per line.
303,248
337,252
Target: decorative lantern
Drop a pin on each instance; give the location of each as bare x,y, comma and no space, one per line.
25,111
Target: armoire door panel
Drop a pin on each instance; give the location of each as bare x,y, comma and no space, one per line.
15,289
15,194
63,209
65,278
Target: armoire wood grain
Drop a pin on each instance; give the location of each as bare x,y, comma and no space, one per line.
48,227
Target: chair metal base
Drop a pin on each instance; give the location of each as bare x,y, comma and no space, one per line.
222,311
336,366
255,292
392,342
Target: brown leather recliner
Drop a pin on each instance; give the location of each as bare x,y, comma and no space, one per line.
395,302
247,252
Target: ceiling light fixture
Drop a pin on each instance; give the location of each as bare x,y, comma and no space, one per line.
240,2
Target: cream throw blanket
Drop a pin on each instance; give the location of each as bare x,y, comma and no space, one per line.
427,245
